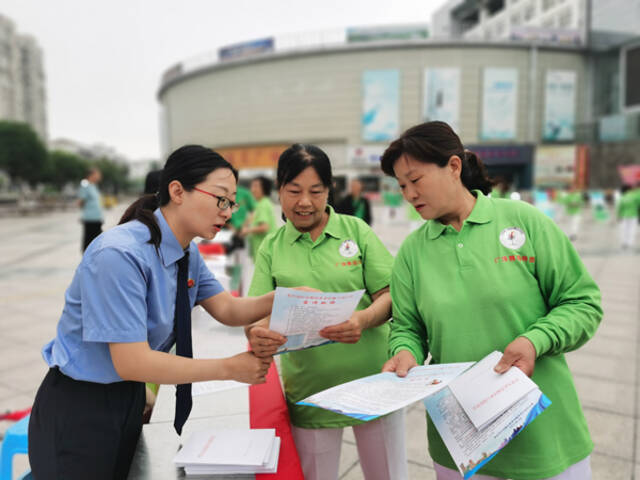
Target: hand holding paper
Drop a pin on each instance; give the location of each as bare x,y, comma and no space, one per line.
401,363
520,353
264,342
484,394
348,331
300,315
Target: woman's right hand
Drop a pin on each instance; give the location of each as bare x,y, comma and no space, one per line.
401,363
264,342
248,368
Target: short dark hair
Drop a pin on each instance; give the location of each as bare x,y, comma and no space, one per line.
297,158
190,165
265,184
436,142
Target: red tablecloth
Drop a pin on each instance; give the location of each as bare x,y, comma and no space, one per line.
268,409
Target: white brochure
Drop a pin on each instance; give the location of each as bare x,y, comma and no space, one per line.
370,397
300,315
484,395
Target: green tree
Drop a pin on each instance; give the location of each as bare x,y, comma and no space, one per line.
64,167
22,154
114,175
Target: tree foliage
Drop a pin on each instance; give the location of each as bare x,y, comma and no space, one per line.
22,154
65,167
114,175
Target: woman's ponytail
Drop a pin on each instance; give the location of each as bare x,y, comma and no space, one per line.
474,174
142,210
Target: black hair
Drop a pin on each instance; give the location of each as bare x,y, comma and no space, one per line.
152,181
297,158
189,165
265,184
436,142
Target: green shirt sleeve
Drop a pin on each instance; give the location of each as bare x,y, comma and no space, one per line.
408,331
571,294
377,262
262,281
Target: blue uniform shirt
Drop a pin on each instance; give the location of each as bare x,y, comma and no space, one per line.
123,291
91,209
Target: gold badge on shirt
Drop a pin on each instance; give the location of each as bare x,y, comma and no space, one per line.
348,249
512,238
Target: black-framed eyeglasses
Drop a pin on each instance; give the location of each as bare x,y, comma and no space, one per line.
223,202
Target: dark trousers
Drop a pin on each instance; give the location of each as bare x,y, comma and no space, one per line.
84,430
91,231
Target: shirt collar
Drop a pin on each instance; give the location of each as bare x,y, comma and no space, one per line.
332,228
170,249
482,212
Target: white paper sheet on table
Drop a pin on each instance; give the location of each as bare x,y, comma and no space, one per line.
300,315
370,397
236,447
269,466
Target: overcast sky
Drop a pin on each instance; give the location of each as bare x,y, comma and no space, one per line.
104,59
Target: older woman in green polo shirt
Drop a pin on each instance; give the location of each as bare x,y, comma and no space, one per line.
311,250
486,274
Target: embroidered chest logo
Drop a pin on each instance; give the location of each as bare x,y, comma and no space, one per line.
348,249
512,238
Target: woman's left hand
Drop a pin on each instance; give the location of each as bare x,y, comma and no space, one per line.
520,353
346,332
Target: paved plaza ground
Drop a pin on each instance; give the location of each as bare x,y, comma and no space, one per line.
38,255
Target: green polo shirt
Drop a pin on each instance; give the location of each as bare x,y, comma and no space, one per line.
573,202
289,258
629,204
263,213
509,272
246,204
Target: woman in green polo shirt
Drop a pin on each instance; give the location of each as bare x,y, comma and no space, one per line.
263,220
486,274
333,253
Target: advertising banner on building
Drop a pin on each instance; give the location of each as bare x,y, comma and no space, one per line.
387,33
380,105
441,95
555,166
612,128
265,156
629,174
499,104
245,49
365,155
559,106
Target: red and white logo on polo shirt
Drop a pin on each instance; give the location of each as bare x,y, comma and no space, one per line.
348,249
512,238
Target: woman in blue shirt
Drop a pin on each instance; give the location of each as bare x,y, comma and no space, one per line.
123,312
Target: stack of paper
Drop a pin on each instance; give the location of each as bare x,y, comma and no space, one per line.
475,410
484,395
233,451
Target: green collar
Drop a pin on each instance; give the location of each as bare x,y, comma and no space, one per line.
482,213
332,228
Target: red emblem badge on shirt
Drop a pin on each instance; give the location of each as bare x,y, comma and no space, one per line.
190,283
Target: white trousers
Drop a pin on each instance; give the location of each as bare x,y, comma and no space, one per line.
380,445
577,471
628,227
576,220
